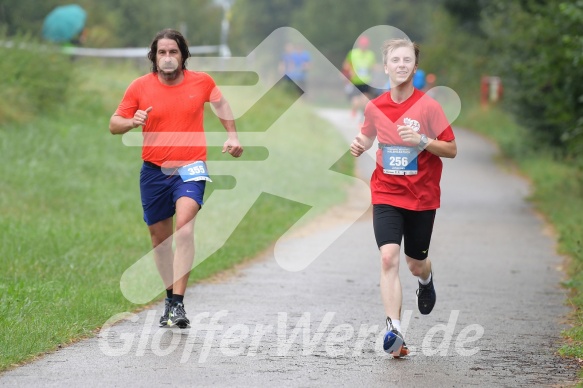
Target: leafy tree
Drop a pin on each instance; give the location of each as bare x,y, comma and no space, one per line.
121,23
25,16
466,13
414,17
334,28
457,59
254,20
539,53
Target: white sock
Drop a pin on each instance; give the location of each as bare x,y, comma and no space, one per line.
396,324
426,281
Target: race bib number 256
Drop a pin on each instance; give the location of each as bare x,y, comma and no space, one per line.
399,160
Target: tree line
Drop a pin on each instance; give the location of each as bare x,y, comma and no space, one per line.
535,46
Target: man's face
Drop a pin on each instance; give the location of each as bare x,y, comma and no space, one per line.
400,65
168,57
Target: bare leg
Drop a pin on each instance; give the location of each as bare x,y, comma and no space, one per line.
419,268
390,283
186,210
161,235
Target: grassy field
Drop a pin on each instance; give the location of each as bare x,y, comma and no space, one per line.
71,219
558,194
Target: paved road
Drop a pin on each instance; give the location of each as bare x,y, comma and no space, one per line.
496,323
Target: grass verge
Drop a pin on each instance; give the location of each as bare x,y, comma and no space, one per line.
70,214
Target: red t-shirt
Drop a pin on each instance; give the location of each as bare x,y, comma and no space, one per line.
382,116
174,133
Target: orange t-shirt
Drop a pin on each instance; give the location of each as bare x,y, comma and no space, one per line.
174,133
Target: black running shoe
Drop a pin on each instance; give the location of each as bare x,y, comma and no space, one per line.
426,297
177,316
394,343
167,307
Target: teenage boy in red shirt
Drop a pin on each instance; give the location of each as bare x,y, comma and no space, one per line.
413,135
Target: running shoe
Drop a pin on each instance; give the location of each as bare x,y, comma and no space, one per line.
426,297
167,307
393,343
177,316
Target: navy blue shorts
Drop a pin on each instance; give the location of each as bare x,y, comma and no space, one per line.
160,192
393,224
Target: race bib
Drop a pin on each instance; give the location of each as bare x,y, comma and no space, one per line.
196,171
399,160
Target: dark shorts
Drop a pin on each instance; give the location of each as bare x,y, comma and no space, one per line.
364,88
160,192
392,225
358,89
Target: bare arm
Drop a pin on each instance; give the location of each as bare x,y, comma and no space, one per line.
444,149
225,115
347,69
360,144
119,125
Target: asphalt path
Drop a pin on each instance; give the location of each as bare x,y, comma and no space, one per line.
497,322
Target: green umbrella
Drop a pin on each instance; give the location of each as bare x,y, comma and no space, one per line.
64,23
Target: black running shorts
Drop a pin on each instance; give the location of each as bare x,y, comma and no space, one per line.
393,225
358,89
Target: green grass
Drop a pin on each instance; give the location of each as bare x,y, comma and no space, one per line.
558,194
71,219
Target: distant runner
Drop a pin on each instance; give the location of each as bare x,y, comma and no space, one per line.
358,66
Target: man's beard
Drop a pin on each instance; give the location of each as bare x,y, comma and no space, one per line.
169,69
169,76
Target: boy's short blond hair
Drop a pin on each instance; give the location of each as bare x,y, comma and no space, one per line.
393,44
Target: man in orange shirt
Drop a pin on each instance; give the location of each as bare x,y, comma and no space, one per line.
168,104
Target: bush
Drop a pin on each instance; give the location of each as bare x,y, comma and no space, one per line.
539,55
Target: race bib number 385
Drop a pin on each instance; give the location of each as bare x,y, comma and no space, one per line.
398,160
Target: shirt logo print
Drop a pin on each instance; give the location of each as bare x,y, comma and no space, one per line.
412,123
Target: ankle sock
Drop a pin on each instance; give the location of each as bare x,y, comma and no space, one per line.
397,324
177,299
426,281
169,294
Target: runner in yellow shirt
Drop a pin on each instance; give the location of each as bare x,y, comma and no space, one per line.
358,66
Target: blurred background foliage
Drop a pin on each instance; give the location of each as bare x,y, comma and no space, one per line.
535,46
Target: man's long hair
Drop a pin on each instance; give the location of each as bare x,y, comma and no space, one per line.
176,36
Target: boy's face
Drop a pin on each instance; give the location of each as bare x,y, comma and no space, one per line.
400,66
